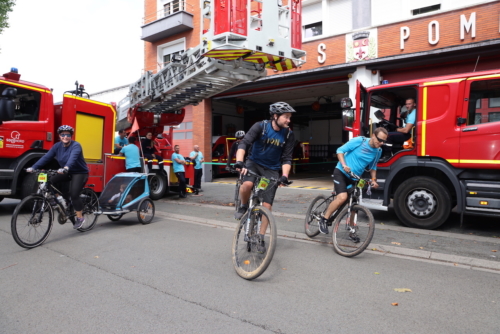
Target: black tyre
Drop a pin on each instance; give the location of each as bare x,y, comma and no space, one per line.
158,186
352,239
146,211
29,185
248,262
90,205
316,208
31,221
1,198
115,218
422,202
237,201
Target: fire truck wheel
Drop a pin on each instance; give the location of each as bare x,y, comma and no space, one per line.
29,185
422,202
158,186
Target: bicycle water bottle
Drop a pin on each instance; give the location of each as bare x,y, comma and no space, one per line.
62,201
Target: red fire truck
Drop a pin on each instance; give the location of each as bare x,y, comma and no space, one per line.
28,129
453,159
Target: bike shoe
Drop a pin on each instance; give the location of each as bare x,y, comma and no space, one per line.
79,223
241,211
323,227
354,238
261,245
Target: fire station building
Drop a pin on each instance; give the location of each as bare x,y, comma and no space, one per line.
370,41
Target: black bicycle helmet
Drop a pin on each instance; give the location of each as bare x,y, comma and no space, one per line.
280,108
67,128
239,134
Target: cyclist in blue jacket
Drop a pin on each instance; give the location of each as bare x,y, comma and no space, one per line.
69,155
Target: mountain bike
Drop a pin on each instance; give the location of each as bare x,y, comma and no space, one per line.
353,224
247,260
32,219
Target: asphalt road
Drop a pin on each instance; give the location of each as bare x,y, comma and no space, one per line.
176,276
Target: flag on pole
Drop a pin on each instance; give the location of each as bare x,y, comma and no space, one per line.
135,126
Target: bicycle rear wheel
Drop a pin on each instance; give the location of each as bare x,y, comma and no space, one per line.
317,207
90,205
247,261
352,240
31,221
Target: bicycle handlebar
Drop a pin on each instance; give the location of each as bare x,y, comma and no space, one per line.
233,170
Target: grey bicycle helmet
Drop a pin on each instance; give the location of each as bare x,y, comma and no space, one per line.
67,128
239,134
280,108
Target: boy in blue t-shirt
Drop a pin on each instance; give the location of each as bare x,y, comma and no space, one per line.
354,156
178,163
197,157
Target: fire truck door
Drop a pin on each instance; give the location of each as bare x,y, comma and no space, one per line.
480,123
360,125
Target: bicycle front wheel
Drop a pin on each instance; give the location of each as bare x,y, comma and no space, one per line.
31,221
251,257
311,222
352,235
90,205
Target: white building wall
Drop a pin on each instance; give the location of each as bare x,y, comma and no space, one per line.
340,16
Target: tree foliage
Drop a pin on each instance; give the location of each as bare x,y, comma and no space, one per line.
5,8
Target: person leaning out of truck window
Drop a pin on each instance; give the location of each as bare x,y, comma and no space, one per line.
120,141
404,133
132,156
69,155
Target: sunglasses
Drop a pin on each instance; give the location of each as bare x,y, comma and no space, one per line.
65,135
381,140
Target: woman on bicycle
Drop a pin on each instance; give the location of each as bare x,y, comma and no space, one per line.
69,155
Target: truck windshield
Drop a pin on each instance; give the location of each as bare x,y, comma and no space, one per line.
27,103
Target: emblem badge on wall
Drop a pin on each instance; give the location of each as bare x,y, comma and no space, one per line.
361,46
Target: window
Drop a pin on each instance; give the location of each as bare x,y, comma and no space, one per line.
484,105
168,50
427,9
172,7
314,29
179,135
184,131
27,104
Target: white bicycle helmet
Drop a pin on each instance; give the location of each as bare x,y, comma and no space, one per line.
239,134
280,108
63,128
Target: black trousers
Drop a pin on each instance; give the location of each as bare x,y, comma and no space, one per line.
76,184
395,138
182,182
198,173
149,158
135,169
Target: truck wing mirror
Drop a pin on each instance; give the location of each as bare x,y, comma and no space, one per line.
345,103
348,119
7,104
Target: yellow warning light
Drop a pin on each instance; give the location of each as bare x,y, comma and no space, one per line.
473,193
483,202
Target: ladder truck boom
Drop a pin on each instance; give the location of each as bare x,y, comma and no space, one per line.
236,47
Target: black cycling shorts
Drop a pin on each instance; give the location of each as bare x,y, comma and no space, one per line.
341,182
270,192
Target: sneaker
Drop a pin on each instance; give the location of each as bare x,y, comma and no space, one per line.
323,226
261,246
241,211
78,223
354,237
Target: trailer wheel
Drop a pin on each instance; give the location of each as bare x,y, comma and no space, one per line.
422,202
30,185
158,186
